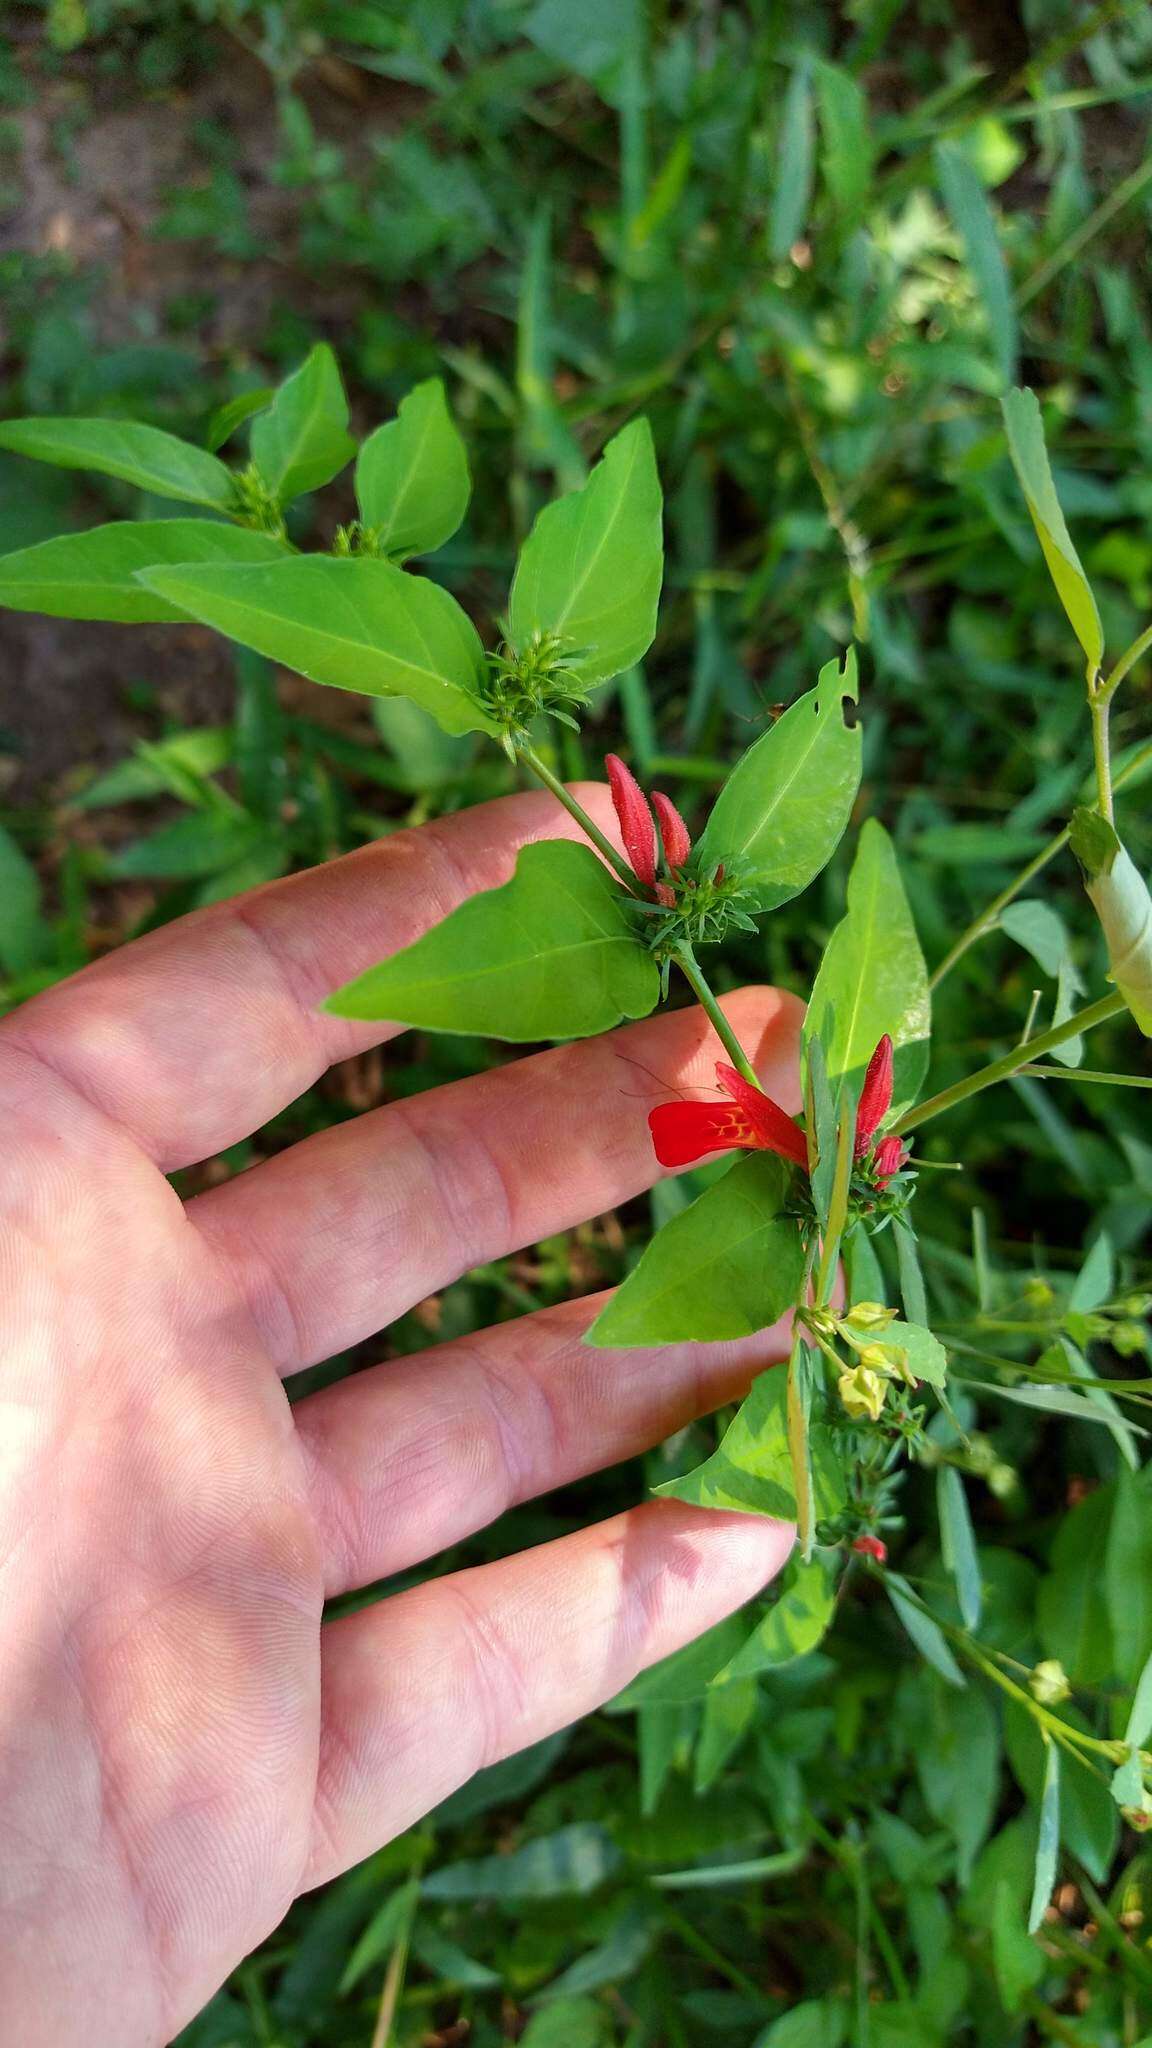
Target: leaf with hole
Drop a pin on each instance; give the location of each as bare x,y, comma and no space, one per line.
782,812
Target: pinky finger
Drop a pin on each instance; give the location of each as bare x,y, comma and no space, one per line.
430,1686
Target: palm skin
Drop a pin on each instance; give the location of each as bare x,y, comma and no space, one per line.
184,1747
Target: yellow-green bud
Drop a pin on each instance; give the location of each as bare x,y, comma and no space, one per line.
867,1316
1001,1481
1037,1292
1049,1683
1137,1305
889,1359
1128,1338
862,1392
981,1456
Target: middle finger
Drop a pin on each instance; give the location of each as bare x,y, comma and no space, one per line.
337,1237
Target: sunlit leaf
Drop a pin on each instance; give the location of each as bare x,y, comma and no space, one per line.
412,480
752,1468
872,978
94,575
145,456
302,441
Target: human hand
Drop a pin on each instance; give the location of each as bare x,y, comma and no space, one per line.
183,1746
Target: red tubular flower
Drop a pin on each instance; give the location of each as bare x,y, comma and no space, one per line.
871,1546
675,837
751,1122
636,827
890,1156
875,1096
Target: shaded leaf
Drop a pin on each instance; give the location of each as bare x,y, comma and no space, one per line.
1073,1619
573,1860
796,1622
751,1470
728,1265
25,939
793,193
967,202
927,1635
551,954
1048,1839
958,1542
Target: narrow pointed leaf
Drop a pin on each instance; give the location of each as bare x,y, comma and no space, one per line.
302,440
972,217
1025,432
781,814
591,568
1048,1842
94,575
551,954
926,1633
357,625
728,1265
752,1468
958,1543
412,482
145,456
792,197
872,978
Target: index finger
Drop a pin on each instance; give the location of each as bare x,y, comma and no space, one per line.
194,1036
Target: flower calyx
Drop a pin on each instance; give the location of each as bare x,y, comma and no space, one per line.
522,683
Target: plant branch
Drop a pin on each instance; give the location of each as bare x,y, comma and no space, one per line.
687,963
1011,1063
600,841
988,917
1100,706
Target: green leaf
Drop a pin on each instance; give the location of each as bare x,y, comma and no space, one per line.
1043,933
1127,1582
728,1715
1121,899
846,149
93,575
234,412
25,939
570,2023
957,1754
1139,1726
818,2023
573,1860
412,480
793,194
796,1622
780,815
958,1543
551,954
302,440
590,570
388,1925
972,217
686,1675
1025,432
927,1357
139,455
927,1635
1088,1821
752,1468
872,978
1048,1840
356,625
1073,1618
728,1265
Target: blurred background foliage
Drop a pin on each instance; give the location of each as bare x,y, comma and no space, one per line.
812,242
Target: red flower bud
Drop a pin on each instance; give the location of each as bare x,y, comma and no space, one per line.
890,1156
636,827
674,834
871,1546
875,1096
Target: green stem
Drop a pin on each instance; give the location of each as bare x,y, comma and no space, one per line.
543,773
686,961
1127,660
1011,1063
987,919
1100,704
1090,1074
